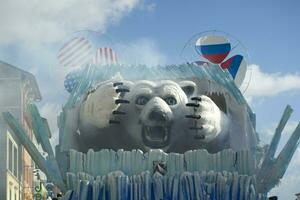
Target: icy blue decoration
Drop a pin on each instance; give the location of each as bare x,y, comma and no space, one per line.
183,186
136,162
273,169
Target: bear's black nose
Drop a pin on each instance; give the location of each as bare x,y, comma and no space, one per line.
157,115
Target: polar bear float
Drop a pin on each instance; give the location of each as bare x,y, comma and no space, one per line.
148,115
175,115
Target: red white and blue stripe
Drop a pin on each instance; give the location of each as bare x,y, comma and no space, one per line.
76,52
214,48
237,67
105,56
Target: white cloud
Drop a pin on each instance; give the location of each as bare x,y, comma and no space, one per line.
142,51
49,21
50,111
269,84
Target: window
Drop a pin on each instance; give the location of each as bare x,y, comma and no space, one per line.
12,155
15,161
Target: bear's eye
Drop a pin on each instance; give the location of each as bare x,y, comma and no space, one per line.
141,100
170,101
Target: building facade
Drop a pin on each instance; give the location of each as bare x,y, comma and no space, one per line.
17,89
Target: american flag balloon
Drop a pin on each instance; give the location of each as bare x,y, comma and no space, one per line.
76,52
72,79
105,56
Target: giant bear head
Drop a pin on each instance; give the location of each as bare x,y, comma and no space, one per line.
157,112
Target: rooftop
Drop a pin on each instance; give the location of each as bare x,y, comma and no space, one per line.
35,92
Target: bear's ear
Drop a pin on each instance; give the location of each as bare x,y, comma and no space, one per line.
189,87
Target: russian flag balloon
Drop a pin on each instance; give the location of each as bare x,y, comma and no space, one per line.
237,67
213,47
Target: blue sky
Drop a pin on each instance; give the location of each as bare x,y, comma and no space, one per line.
156,31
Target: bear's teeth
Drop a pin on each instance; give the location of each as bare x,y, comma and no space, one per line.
210,93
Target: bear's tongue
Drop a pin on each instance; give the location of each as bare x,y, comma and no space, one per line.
156,136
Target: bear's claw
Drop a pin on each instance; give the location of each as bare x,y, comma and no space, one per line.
117,84
193,116
120,90
116,112
192,104
196,98
120,101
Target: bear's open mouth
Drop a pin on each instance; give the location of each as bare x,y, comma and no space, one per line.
156,136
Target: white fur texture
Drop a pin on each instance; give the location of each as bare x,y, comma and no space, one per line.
213,120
